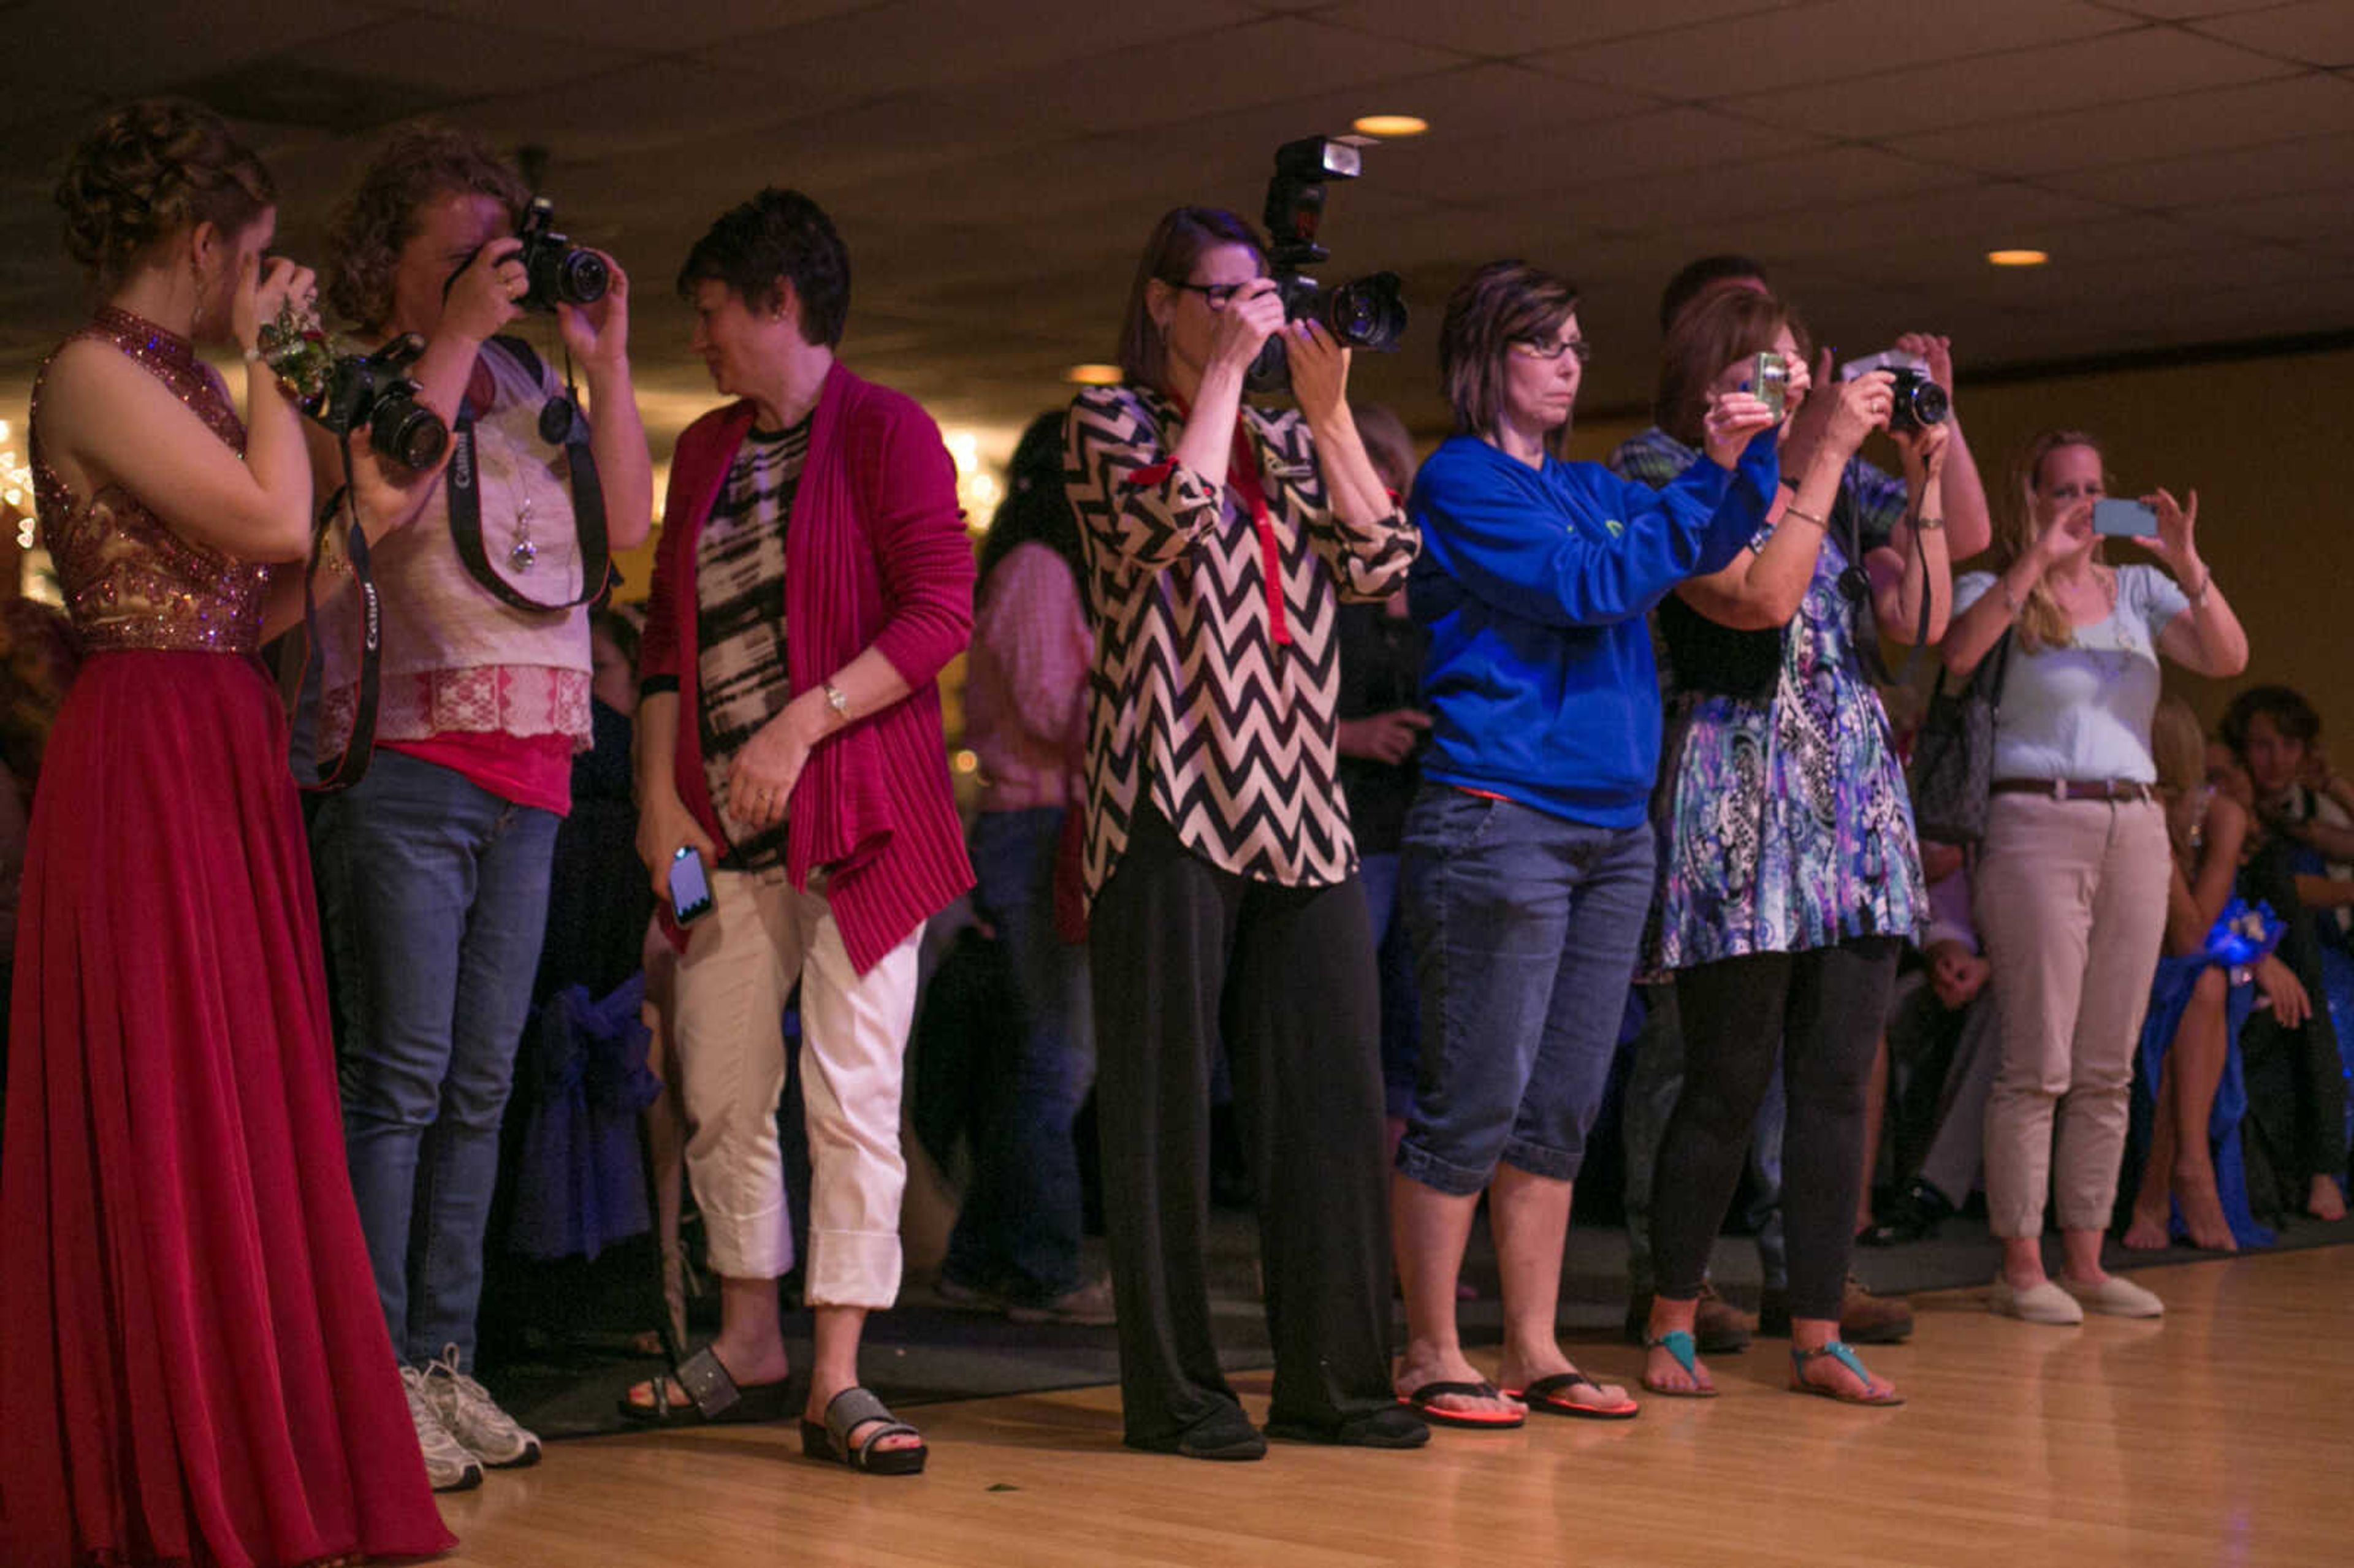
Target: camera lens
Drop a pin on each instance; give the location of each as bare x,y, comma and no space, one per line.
1367,312
1930,403
405,432
581,278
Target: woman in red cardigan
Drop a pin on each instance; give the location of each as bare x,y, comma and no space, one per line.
813,578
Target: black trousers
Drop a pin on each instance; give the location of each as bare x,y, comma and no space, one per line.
2296,1090
1824,1008
1183,954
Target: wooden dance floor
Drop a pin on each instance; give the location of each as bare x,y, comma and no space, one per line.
2218,1437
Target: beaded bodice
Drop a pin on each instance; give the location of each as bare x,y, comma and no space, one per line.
130,581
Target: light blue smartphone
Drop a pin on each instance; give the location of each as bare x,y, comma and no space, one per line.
2124,520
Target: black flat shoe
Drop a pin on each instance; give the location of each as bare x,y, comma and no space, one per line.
1914,1216
1396,1427
1224,1433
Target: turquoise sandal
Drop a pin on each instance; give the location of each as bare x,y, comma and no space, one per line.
1679,1343
1840,1353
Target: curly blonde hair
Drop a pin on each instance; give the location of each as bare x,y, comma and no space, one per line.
2042,622
152,170
411,168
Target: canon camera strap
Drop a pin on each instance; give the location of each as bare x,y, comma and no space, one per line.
561,423
352,762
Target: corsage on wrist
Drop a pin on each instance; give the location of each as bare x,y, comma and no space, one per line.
295,347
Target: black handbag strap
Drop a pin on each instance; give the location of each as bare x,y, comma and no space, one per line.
351,765
588,495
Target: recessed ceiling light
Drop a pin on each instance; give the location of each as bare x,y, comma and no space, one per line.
1094,375
1391,124
2018,258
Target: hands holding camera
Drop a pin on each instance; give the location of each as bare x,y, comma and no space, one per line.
262,292
597,332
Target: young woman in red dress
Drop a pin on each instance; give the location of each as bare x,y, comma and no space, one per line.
193,1370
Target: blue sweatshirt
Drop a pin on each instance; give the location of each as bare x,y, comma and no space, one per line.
1533,583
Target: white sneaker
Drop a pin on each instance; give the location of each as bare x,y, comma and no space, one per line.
448,1466
473,1418
2116,1297
2042,1302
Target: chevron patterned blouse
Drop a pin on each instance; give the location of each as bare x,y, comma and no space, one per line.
1208,692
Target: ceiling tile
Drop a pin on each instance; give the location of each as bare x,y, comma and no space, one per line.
634,25
1844,40
2185,10
2171,125
911,44
1516,27
124,47
1513,169
2318,32
2319,162
2294,216
2124,65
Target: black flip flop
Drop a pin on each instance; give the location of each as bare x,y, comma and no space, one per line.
717,1399
1540,1395
1420,1403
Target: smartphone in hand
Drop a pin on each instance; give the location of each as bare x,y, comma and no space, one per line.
690,889
2124,520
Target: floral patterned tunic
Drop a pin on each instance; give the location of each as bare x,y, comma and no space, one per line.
1785,826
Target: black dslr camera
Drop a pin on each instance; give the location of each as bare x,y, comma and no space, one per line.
1919,400
1363,312
561,273
375,390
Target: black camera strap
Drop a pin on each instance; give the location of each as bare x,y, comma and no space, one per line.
465,479
1855,582
351,763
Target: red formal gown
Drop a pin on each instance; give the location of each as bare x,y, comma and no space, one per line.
194,1369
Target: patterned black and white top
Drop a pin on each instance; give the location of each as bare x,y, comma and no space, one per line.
740,623
1192,696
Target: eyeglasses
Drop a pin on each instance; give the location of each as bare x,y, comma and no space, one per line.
1550,349
1218,294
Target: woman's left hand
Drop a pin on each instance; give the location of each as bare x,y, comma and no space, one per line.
2176,541
1923,450
599,335
1319,370
2291,1005
760,780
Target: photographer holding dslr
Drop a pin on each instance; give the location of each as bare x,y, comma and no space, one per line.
1219,540
433,869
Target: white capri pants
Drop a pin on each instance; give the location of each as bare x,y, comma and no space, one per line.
760,937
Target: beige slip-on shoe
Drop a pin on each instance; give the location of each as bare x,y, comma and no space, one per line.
2116,1296
2042,1302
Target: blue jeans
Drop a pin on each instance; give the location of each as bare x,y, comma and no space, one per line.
1525,930
435,899
1019,1230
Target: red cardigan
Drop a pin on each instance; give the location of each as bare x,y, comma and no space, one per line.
875,554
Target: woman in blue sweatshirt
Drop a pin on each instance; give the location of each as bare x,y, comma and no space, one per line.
1528,858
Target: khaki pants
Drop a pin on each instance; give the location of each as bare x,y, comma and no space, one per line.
2070,899
760,937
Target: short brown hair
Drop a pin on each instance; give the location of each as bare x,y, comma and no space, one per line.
1502,304
150,171
1179,240
778,234
413,167
1721,328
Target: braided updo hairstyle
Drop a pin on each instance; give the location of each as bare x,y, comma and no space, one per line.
151,170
